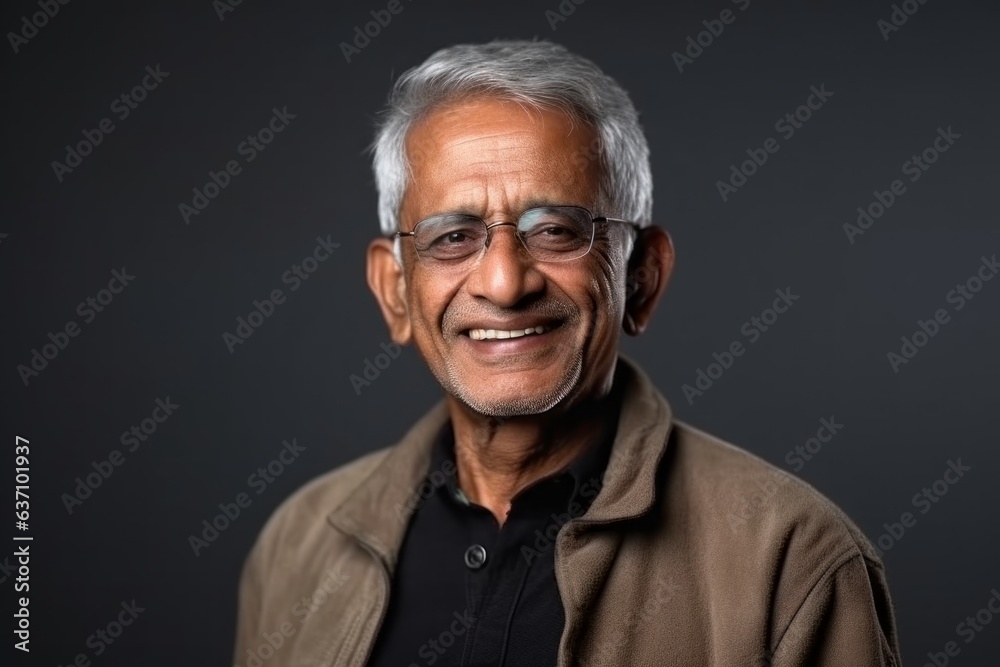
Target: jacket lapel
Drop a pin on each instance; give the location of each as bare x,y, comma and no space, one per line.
584,556
378,512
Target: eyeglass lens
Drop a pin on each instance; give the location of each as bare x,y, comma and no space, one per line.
548,233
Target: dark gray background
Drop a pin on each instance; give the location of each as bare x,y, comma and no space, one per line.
163,335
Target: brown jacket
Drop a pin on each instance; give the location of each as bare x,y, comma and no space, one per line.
694,552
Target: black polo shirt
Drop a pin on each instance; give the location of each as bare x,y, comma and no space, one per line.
469,592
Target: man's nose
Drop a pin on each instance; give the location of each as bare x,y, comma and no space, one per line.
505,272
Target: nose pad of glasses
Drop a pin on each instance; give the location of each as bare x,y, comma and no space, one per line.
489,235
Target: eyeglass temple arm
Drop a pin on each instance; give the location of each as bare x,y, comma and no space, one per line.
636,225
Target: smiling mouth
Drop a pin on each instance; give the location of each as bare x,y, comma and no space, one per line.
502,334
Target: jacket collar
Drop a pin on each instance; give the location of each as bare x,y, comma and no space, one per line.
378,512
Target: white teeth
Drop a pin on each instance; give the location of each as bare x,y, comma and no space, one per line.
486,334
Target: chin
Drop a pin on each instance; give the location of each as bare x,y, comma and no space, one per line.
506,396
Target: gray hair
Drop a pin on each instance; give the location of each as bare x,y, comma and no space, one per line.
538,74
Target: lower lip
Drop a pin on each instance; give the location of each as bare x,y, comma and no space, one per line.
504,346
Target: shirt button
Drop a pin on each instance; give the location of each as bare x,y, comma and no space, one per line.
475,557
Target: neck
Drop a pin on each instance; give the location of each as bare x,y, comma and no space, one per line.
497,457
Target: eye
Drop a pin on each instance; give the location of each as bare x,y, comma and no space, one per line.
454,237
450,237
555,234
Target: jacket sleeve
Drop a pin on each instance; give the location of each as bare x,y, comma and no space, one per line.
846,619
248,606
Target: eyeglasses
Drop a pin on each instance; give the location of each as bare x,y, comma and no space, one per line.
548,233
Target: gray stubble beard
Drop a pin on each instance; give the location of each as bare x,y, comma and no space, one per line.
513,406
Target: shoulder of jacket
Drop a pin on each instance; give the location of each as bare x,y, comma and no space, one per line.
759,500
306,509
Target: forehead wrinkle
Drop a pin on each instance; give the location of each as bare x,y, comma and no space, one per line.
503,193
512,173
496,137
497,160
479,195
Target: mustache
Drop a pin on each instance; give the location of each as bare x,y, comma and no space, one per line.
459,318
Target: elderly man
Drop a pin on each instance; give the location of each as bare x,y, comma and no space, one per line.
549,510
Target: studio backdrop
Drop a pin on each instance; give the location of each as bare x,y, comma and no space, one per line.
188,336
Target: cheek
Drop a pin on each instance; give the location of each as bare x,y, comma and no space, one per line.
608,284
428,302
609,305
595,295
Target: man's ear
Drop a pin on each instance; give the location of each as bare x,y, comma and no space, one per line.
649,270
388,283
